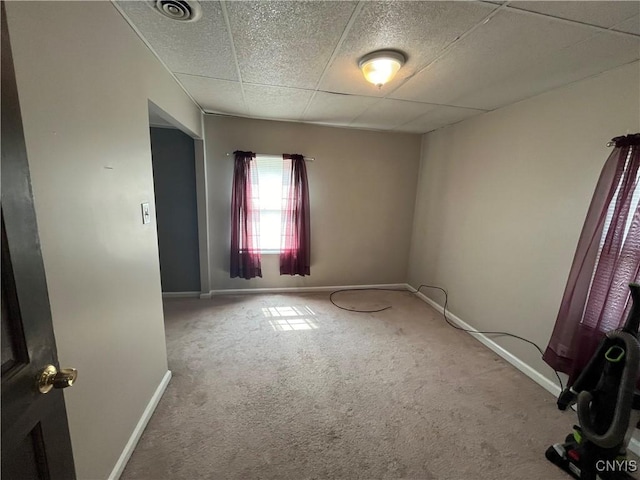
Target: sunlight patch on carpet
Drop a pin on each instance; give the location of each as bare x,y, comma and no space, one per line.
289,318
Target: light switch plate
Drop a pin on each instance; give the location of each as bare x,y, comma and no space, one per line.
146,213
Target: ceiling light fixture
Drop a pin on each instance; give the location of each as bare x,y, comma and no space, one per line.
380,67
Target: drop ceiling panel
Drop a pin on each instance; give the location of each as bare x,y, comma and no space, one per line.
438,116
279,103
601,13
196,48
455,60
221,96
419,29
387,114
286,43
632,25
595,55
337,109
474,71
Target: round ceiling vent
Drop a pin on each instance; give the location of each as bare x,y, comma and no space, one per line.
180,10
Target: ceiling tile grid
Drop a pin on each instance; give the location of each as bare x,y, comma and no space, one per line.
336,108
474,72
196,48
286,43
215,96
631,25
418,29
298,60
601,13
278,103
594,55
388,114
438,116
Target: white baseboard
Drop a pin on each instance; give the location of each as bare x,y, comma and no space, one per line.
243,291
137,432
525,368
180,294
544,382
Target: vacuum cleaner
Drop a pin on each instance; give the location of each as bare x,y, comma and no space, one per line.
608,407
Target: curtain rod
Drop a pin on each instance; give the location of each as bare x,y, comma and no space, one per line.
307,159
612,142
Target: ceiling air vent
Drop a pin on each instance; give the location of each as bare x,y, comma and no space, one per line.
180,10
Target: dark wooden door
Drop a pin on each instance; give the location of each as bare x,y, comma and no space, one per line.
35,433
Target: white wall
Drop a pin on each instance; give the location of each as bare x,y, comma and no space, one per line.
84,80
362,189
501,202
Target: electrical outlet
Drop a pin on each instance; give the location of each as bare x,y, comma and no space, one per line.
146,213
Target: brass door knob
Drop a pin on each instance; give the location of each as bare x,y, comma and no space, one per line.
52,378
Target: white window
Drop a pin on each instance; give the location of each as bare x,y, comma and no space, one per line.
270,170
635,199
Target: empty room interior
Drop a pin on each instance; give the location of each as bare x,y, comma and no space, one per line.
322,240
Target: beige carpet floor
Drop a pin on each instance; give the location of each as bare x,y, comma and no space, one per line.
290,387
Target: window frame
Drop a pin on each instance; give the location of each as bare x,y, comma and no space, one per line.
273,158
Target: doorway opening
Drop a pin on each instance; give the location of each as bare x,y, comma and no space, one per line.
173,154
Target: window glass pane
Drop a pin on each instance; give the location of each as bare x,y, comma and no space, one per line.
270,171
270,229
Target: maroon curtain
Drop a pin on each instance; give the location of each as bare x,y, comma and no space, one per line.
245,216
295,255
607,259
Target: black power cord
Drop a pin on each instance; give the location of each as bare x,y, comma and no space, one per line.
362,289
444,314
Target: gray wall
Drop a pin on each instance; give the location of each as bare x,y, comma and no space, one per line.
501,202
84,82
362,191
174,180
